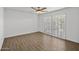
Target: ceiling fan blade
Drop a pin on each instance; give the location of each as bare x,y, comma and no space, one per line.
39,8
43,8
44,11
33,8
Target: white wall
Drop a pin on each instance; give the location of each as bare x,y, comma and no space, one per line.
1,27
72,22
19,22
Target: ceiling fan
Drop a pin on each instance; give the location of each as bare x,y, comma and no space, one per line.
39,10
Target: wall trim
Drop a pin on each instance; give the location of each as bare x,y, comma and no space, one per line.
20,34
67,39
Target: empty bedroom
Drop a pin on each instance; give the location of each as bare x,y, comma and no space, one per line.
39,29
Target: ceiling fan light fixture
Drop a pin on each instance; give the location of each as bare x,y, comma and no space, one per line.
39,10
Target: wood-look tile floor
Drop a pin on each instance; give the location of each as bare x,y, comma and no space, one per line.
38,42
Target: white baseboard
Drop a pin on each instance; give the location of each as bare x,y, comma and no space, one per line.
42,32
19,34
1,41
69,39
